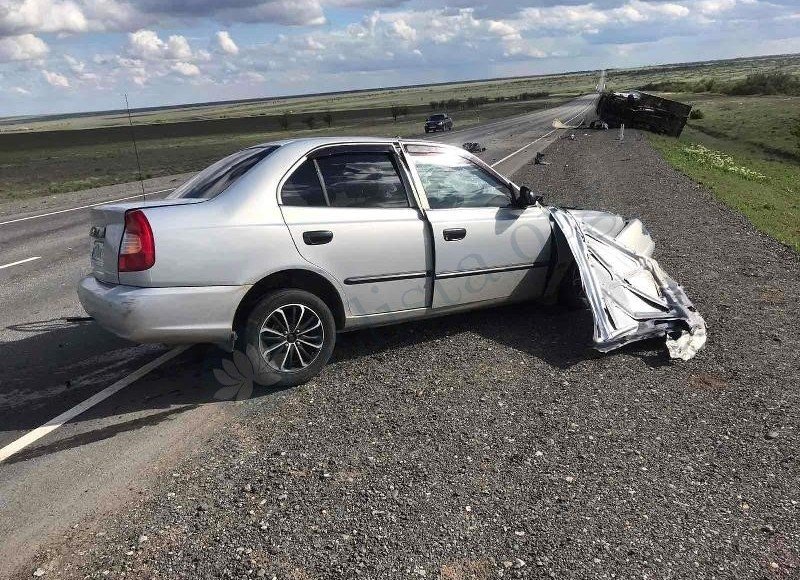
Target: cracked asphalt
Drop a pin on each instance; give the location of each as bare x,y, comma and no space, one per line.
498,443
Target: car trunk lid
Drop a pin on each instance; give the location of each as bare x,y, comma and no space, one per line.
107,228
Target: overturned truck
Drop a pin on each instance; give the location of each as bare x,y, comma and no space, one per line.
643,111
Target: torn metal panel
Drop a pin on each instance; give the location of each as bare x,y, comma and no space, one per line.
629,294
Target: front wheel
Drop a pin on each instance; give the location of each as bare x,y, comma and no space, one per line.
571,295
293,333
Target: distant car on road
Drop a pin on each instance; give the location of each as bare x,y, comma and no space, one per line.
438,122
276,248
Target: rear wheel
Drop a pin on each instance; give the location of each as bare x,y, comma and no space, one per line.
293,333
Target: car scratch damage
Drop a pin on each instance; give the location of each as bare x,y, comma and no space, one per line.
630,295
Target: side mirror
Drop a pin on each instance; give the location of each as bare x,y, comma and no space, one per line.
527,197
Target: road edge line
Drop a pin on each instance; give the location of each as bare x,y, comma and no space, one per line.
18,262
56,422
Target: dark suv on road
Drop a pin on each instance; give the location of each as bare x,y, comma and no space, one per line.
438,122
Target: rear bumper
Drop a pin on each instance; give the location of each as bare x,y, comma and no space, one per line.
174,315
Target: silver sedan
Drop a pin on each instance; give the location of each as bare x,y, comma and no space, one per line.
278,247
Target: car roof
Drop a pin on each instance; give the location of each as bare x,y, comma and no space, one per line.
308,143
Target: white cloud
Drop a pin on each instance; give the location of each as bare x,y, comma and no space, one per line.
20,90
22,47
402,30
178,48
79,70
147,45
503,29
709,7
56,79
226,43
75,65
41,16
186,69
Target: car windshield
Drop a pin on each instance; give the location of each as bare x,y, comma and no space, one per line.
216,178
436,118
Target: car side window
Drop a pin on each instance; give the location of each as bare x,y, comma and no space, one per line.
303,187
368,179
452,181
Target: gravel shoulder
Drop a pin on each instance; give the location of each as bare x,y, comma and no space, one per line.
498,443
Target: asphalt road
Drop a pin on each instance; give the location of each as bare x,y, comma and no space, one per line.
53,360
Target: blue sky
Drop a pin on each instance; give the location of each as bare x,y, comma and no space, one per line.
78,55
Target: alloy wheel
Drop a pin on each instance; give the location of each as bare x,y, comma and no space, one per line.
291,338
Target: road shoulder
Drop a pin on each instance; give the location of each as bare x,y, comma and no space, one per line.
498,441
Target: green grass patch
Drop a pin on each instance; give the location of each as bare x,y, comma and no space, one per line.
766,191
64,165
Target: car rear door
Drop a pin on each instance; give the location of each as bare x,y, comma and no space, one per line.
351,212
484,247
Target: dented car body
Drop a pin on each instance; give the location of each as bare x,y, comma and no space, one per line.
630,296
278,247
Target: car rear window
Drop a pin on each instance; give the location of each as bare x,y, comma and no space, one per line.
303,187
355,179
218,177
362,180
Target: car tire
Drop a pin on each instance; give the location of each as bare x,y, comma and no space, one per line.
289,355
570,293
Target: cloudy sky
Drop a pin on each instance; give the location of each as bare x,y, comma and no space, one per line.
77,55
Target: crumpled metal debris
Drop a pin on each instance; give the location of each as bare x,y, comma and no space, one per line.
473,147
559,124
539,159
630,295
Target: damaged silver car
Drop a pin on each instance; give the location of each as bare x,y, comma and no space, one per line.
276,248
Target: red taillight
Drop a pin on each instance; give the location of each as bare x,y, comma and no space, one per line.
137,251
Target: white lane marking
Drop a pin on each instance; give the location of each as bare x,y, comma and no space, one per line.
41,215
524,147
17,263
56,422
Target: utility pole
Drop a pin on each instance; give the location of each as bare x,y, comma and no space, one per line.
135,148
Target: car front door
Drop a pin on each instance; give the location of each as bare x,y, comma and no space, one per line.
485,248
351,213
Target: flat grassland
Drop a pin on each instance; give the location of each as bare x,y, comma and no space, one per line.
743,143
42,156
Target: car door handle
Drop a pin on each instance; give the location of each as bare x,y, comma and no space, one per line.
317,237
454,234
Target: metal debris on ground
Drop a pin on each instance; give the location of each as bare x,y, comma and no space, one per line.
539,159
559,124
599,125
630,296
473,147
643,111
